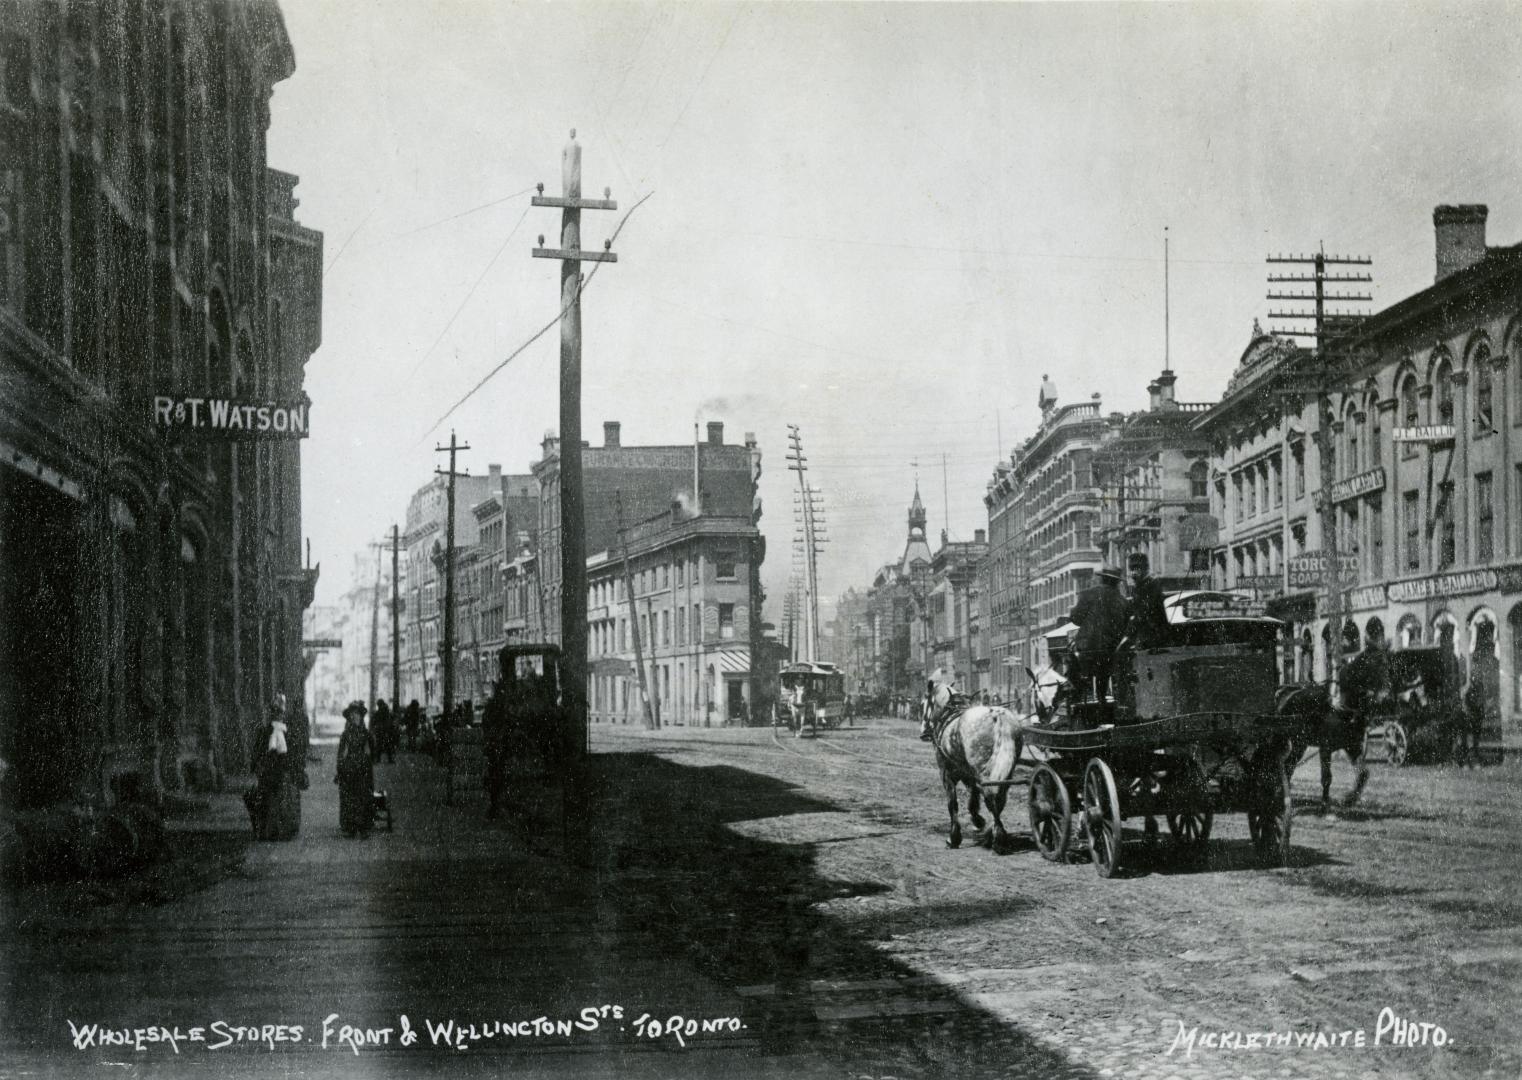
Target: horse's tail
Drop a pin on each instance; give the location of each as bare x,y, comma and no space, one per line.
1001,766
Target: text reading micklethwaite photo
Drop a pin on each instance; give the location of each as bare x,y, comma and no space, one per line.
805,539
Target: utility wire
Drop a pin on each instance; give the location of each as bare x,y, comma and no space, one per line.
345,245
480,278
462,213
580,288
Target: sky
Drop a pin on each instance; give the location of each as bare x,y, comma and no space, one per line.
882,223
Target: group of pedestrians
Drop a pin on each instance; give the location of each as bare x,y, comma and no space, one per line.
277,757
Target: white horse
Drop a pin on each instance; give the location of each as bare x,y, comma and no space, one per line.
975,745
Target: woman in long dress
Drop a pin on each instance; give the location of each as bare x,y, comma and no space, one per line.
355,775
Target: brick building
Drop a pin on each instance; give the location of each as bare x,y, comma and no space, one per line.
152,580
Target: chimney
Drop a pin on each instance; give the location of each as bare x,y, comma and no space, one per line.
610,429
1165,383
715,433
1154,396
980,536
1460,237
494,473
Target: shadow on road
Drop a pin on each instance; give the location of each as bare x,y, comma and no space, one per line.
745,911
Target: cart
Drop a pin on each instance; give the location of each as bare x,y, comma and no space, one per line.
1422,720
822,688
1192,732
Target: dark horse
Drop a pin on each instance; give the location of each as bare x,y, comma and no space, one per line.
976,745
1331,727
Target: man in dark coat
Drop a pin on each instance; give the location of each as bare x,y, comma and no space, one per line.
1101,620
1148,622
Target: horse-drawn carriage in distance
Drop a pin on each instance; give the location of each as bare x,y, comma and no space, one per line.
1424,714
810,694
1190,731
525,718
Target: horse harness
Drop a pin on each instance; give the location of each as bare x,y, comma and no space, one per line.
956,705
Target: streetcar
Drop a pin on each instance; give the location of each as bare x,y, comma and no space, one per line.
811,694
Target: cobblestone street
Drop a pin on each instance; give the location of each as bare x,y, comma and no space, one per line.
803,888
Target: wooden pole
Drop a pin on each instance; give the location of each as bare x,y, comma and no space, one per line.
396,620
639,654
446,647
573,559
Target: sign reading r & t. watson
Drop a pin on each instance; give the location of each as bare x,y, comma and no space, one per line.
228,418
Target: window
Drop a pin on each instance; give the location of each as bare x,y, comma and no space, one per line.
1376,546
726,621
1199,560
1410,415
1447,536
1199,474
1276,480
1353,430
1443,392
1485,519
1299,455
681,566
1484,421
724,566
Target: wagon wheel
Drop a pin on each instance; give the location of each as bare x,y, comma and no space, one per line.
1397,745
1051,813
1268,816
1190,824
1101,809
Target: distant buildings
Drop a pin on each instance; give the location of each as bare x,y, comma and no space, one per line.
695,554
152,581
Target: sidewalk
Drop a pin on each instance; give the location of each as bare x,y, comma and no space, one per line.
448,918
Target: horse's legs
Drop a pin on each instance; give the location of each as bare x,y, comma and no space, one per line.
1325,751
1354,750
995,801
954,838
974,794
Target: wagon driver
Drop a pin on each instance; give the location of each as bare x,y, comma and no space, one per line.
1101,619
1148,626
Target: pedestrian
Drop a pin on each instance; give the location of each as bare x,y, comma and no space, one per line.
1101,620
355,774
1147,623
274,804
414,721
1482,700
383,732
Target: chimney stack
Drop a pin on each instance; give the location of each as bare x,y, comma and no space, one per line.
715,433
1165,383
980,536
610,430
1154,396
1460,234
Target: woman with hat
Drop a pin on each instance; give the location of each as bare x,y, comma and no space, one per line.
355,774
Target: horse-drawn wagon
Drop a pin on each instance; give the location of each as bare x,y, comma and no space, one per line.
1191,732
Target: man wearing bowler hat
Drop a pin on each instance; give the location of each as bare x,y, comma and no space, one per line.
1101,620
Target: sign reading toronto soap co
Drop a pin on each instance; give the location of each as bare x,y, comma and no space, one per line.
228,418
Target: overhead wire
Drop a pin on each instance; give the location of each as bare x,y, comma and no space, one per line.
476,285
580,288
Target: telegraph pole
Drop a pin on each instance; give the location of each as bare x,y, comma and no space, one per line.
639,655
811,540
396,621
446,648
573,558
375,631
1327,372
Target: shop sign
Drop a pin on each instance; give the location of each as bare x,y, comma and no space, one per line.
1442,586
231,419
1225,607
1362,484
321,643
1427,433
1263,586
1368,598
1310,570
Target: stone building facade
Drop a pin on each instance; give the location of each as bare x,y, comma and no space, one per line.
153,583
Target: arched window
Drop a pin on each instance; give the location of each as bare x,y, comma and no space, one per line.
1199,480
1442,393
1484,404
1373,633
1410,413
1353,432
1408,632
